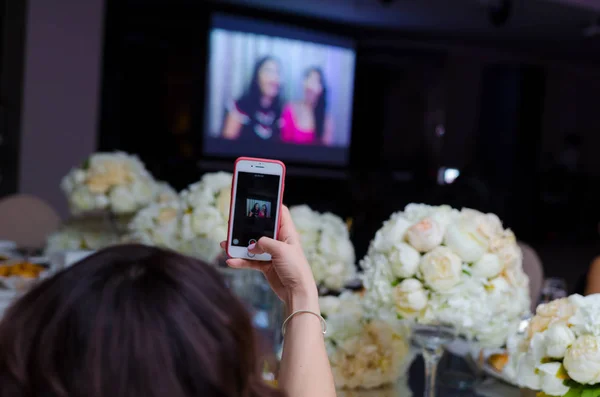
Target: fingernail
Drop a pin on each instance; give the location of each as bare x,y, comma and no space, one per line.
252,246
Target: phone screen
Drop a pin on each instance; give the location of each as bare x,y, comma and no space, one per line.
255,208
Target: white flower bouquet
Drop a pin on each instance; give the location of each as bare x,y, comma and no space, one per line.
327,246
438,265
114,182
559,354
205,213
364,352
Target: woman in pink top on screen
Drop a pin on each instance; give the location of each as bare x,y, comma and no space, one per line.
307,121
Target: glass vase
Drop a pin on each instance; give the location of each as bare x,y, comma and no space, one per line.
431,340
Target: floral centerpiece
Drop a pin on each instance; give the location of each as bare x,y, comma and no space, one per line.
114,182
560,352
438,265
365,352
327,246
205,213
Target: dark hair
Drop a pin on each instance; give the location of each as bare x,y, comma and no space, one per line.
321,106
256,205
264,205
251,98
130,320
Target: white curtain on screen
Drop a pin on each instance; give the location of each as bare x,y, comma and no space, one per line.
234,54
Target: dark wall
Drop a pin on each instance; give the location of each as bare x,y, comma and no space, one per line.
12,44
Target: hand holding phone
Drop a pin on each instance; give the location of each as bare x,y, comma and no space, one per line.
256,196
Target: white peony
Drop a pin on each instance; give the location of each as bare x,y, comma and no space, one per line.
205,219
393,232
158,224
558,338
466,241
425,235
82,200
586,319
582,360
527,375
410,298
506,247
441,269
122,200
488,266
550,380
404,260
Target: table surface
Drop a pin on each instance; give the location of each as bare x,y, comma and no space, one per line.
412,385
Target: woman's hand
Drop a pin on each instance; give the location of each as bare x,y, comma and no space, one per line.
288,272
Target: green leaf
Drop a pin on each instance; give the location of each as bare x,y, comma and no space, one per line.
395,282
591,391
468,273
86,164
574,392
399,317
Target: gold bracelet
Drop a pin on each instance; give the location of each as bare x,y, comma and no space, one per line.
323,322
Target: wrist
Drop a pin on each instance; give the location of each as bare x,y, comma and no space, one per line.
303,299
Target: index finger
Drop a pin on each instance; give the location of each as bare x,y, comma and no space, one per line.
287,229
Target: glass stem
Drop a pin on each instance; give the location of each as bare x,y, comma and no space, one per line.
431,358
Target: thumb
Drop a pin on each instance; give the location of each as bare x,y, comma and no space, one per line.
266,245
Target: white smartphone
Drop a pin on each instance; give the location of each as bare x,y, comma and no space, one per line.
256,196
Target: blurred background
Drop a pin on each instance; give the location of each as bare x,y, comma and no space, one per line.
489,104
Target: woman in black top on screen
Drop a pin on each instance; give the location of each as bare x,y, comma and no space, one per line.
254,211
256,115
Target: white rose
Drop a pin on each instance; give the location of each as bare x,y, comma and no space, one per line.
425,235
143,190
404,260
551,383
464,239
410,297
122,200
558,338
582,360
488,266
441,269
205,219
82,200
505,246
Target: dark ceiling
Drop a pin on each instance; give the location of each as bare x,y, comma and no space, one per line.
530,19
553,28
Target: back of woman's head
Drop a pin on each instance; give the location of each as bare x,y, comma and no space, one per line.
129,321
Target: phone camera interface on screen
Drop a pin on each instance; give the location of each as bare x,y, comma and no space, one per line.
256,208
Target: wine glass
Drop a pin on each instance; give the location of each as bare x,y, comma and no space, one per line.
432,339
